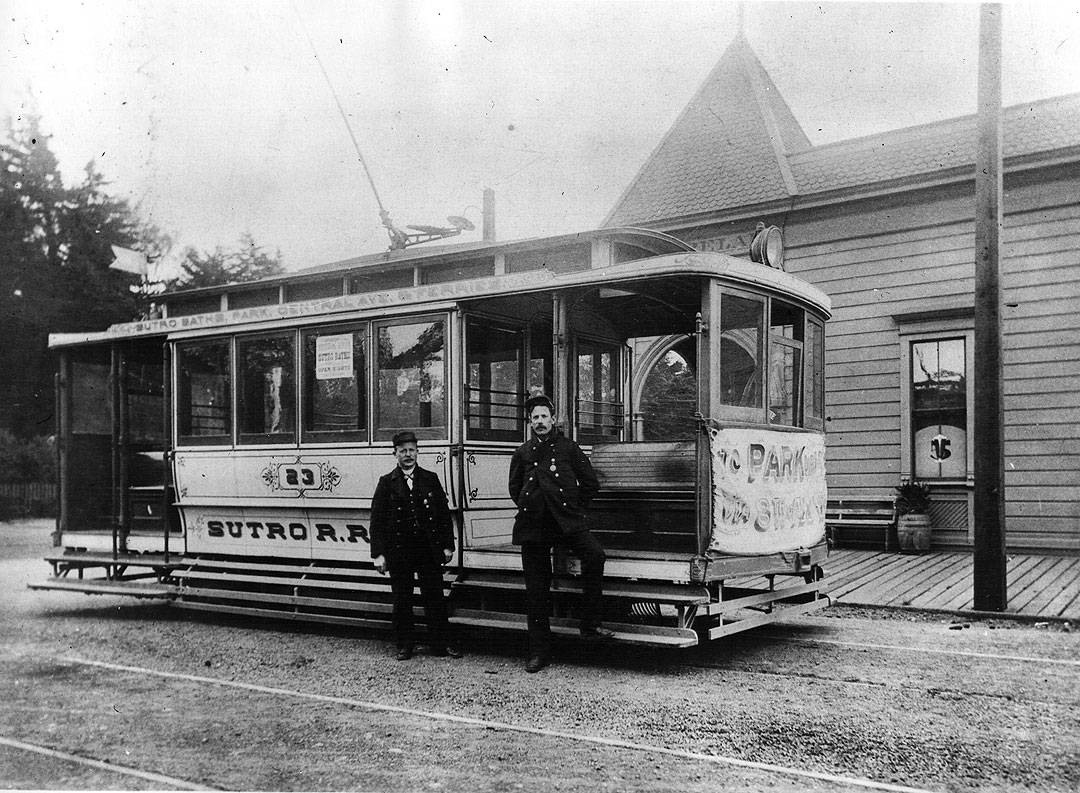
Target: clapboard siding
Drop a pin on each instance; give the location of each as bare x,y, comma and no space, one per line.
889,260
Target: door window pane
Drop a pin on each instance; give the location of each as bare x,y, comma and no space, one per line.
742,364
815,376
539,376
785,364
412,379
494,401
599,399
335,384
267,388
939,408
204,395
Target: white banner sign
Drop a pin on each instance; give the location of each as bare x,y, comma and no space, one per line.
769,491
333,356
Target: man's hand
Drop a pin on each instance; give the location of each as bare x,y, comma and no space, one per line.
448,555
380,564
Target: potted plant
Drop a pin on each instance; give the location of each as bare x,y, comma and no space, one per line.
913,523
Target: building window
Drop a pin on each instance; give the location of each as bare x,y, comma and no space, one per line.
600,410
204,392
493,391
938,411
266,388
334,384
411,378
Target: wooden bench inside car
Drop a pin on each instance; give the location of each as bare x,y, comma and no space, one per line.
646,500
860,522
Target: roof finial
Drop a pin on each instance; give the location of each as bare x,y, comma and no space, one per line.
742,19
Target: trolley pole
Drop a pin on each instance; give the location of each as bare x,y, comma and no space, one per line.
989,562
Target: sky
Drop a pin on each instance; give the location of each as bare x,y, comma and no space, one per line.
215,119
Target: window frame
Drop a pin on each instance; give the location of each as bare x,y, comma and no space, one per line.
261,439
438,433
362,435
798,385
941,330
230,397
505,326
619,358
754,415
810,392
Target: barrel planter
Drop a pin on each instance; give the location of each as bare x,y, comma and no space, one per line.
913,532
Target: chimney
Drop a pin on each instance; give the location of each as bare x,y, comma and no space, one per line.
489,215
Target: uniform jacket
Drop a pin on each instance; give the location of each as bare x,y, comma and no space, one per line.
553,475
400,516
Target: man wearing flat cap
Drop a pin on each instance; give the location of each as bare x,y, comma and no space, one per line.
552,483
412,536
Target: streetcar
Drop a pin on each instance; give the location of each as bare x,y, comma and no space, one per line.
223,455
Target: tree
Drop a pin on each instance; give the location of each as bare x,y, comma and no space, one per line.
248,263
54,268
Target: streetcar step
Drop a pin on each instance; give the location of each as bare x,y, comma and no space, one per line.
74,559
92,586
656,636
660,593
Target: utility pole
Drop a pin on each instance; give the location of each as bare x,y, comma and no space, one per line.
989,562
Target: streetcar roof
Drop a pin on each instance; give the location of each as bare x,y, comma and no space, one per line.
682,262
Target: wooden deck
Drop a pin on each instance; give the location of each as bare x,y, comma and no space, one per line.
1037,586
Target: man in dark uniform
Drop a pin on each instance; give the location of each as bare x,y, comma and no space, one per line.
412,535
552,482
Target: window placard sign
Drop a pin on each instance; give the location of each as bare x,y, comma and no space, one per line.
334,357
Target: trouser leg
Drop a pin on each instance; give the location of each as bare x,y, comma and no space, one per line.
401,585
591,553
431,587
536,565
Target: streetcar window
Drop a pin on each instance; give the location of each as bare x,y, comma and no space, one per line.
815,375
669,395
335,384
539,375
91,397
600,410
493,390
785,364
411,378
266,391
742,360
203,399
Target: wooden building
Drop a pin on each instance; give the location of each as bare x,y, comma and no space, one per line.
885,225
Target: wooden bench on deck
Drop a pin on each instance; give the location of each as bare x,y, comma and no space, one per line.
646,499
860,522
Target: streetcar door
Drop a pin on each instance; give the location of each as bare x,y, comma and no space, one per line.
112,443
86,439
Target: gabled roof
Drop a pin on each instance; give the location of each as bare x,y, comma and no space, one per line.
738,145
727,148
1043,127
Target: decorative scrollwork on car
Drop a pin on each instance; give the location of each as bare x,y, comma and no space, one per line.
300,477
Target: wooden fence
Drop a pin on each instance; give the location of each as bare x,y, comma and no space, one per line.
27,499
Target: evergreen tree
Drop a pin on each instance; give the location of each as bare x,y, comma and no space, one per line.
54,269
248,263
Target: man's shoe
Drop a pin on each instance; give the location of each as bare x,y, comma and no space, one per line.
596,632
404,653
536,663
449,651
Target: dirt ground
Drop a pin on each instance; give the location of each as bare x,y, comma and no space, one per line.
884,698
